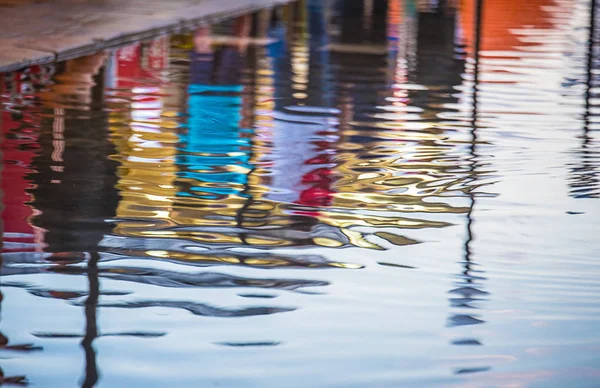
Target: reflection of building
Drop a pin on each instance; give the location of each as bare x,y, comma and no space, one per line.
213,155
227,168
316,152
19,147
72,189
301,151
215,148
146,141
188,193
298,145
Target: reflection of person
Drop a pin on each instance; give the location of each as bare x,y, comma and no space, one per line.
219,64
216,148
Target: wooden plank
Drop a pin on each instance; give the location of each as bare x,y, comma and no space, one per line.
15,57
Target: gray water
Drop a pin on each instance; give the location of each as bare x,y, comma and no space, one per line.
324,194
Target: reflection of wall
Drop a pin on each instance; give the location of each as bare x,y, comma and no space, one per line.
500,19
299,154
289,140
146,141
213,156
19,145
227,182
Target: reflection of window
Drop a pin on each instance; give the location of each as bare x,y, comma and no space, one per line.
58,141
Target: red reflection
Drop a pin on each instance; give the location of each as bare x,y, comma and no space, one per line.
19,146
140,62
500,20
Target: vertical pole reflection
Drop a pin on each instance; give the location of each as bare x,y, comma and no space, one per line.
473,146
91,303
469,290
590,65
91,325
260,22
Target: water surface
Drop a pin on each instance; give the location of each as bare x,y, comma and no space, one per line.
323,194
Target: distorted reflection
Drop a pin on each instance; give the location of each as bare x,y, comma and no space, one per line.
584,179
319,172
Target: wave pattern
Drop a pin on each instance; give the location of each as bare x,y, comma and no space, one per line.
381,192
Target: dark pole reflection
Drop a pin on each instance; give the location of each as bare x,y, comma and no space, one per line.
469,290
75,184
473,146
584,181
246,109
91,325
590,66
91,303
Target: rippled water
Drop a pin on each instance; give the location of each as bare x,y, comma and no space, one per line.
324,194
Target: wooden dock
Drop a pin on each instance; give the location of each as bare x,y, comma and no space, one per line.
43,31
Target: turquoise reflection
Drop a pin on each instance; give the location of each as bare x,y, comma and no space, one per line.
215,151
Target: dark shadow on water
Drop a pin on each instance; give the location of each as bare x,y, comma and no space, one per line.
202,309
472,370
13,381
135,334
249,344
467,342
163,278
259,296
6,346
91,324
204,279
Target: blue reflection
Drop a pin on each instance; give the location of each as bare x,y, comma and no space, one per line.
215,150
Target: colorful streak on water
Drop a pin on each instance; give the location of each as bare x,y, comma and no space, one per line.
323,194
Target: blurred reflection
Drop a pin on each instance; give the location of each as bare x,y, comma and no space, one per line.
215,150
469,288
172,172
232,136
75,185
585,178
20,144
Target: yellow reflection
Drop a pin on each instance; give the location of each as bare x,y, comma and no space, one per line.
400,159
327,242
145,138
